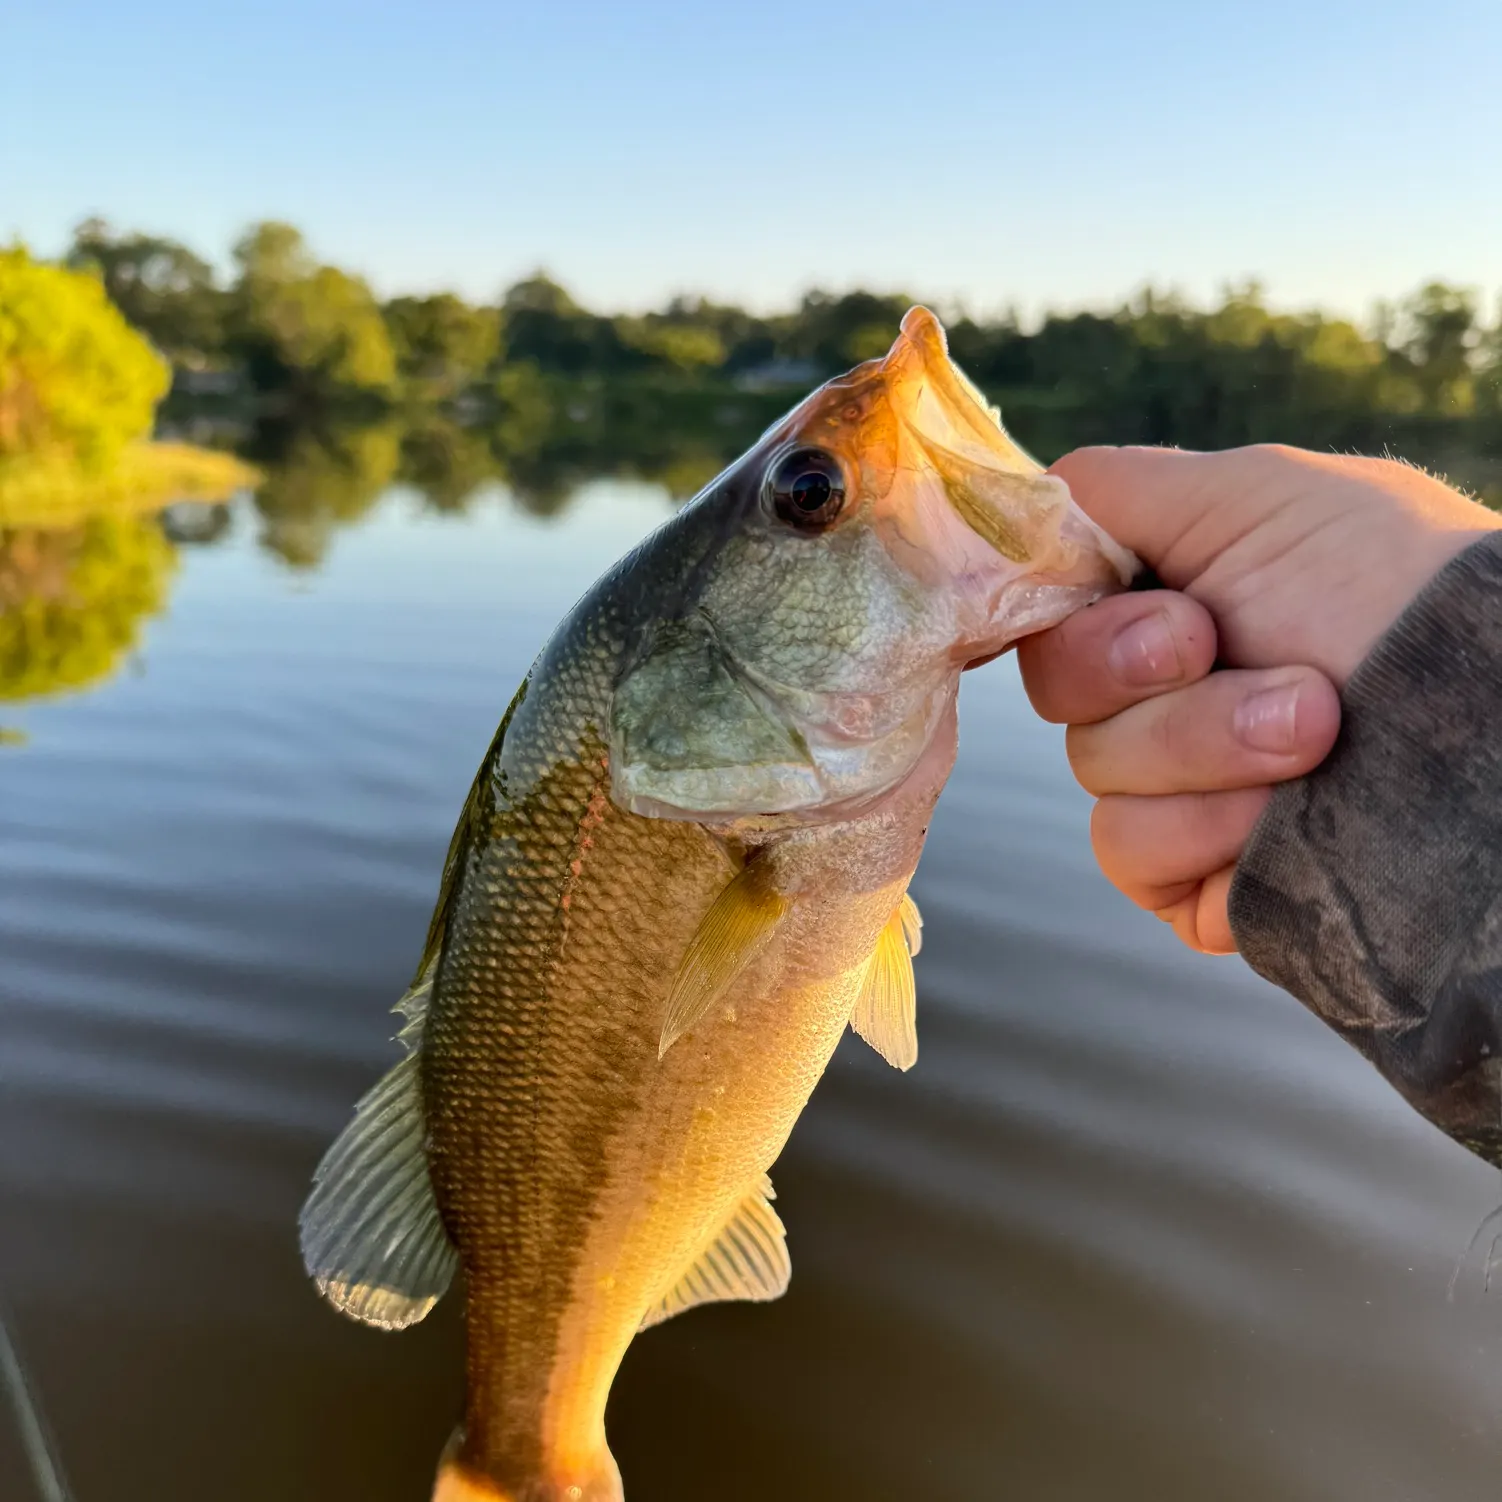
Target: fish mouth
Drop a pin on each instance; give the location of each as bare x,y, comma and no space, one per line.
938,402
995,487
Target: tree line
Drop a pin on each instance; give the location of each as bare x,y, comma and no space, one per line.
292,335
336,396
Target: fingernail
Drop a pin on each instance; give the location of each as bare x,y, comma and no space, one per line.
1268,720
1146,653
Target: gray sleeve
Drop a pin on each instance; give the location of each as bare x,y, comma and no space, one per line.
1372,889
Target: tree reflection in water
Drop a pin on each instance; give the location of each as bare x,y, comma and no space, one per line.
74,596
73,600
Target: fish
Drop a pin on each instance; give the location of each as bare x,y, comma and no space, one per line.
681,873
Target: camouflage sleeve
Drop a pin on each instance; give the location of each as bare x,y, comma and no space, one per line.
1372,889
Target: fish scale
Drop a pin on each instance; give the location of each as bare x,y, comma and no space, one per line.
680,874
533,1073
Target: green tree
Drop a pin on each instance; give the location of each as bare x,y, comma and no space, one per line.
442,344
163,289
1489,370
75,378
309,329
1440,337
837,332
546,327
681,339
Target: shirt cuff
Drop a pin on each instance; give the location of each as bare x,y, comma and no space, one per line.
1370,888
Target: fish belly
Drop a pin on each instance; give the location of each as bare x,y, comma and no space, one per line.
714,1119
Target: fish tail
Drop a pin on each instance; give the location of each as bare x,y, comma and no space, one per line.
460,1482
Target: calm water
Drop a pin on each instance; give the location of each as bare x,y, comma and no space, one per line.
1134,1227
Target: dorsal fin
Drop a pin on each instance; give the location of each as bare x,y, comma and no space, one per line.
748,1259
885,1012
478,811
730,935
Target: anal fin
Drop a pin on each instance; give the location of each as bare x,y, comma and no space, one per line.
886,1011
748,1259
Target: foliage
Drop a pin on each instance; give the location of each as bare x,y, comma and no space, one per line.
1439,339
441,344
73,599
302,327
163,288
545,327
75,378
837,332
680,343
309,337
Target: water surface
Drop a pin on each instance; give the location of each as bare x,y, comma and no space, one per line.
1134,1227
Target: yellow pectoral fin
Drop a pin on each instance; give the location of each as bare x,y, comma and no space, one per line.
748,1259
885,1012
739,922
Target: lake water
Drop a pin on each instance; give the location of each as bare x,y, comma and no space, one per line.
1135,1227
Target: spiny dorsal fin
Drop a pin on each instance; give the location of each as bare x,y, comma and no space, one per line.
372,1238
885,1012
730,935
748,1259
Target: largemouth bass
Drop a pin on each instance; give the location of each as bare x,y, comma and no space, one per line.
680,874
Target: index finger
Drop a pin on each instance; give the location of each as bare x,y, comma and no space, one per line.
1115,653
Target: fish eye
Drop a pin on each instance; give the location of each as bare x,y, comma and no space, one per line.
807,488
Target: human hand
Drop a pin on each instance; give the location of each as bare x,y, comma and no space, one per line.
1283,566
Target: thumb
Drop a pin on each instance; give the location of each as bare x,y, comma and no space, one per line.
1148,499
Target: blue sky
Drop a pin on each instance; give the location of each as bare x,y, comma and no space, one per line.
1045,155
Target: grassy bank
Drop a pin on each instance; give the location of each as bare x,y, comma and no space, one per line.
55,490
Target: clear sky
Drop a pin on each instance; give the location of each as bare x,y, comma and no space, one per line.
1057,153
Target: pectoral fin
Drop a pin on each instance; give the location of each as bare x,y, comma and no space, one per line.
734,930
748,1259
885,1012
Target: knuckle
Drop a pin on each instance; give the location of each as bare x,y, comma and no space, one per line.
1168,735
1078,740
1223,820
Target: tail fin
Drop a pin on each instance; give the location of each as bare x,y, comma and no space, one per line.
458,1482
